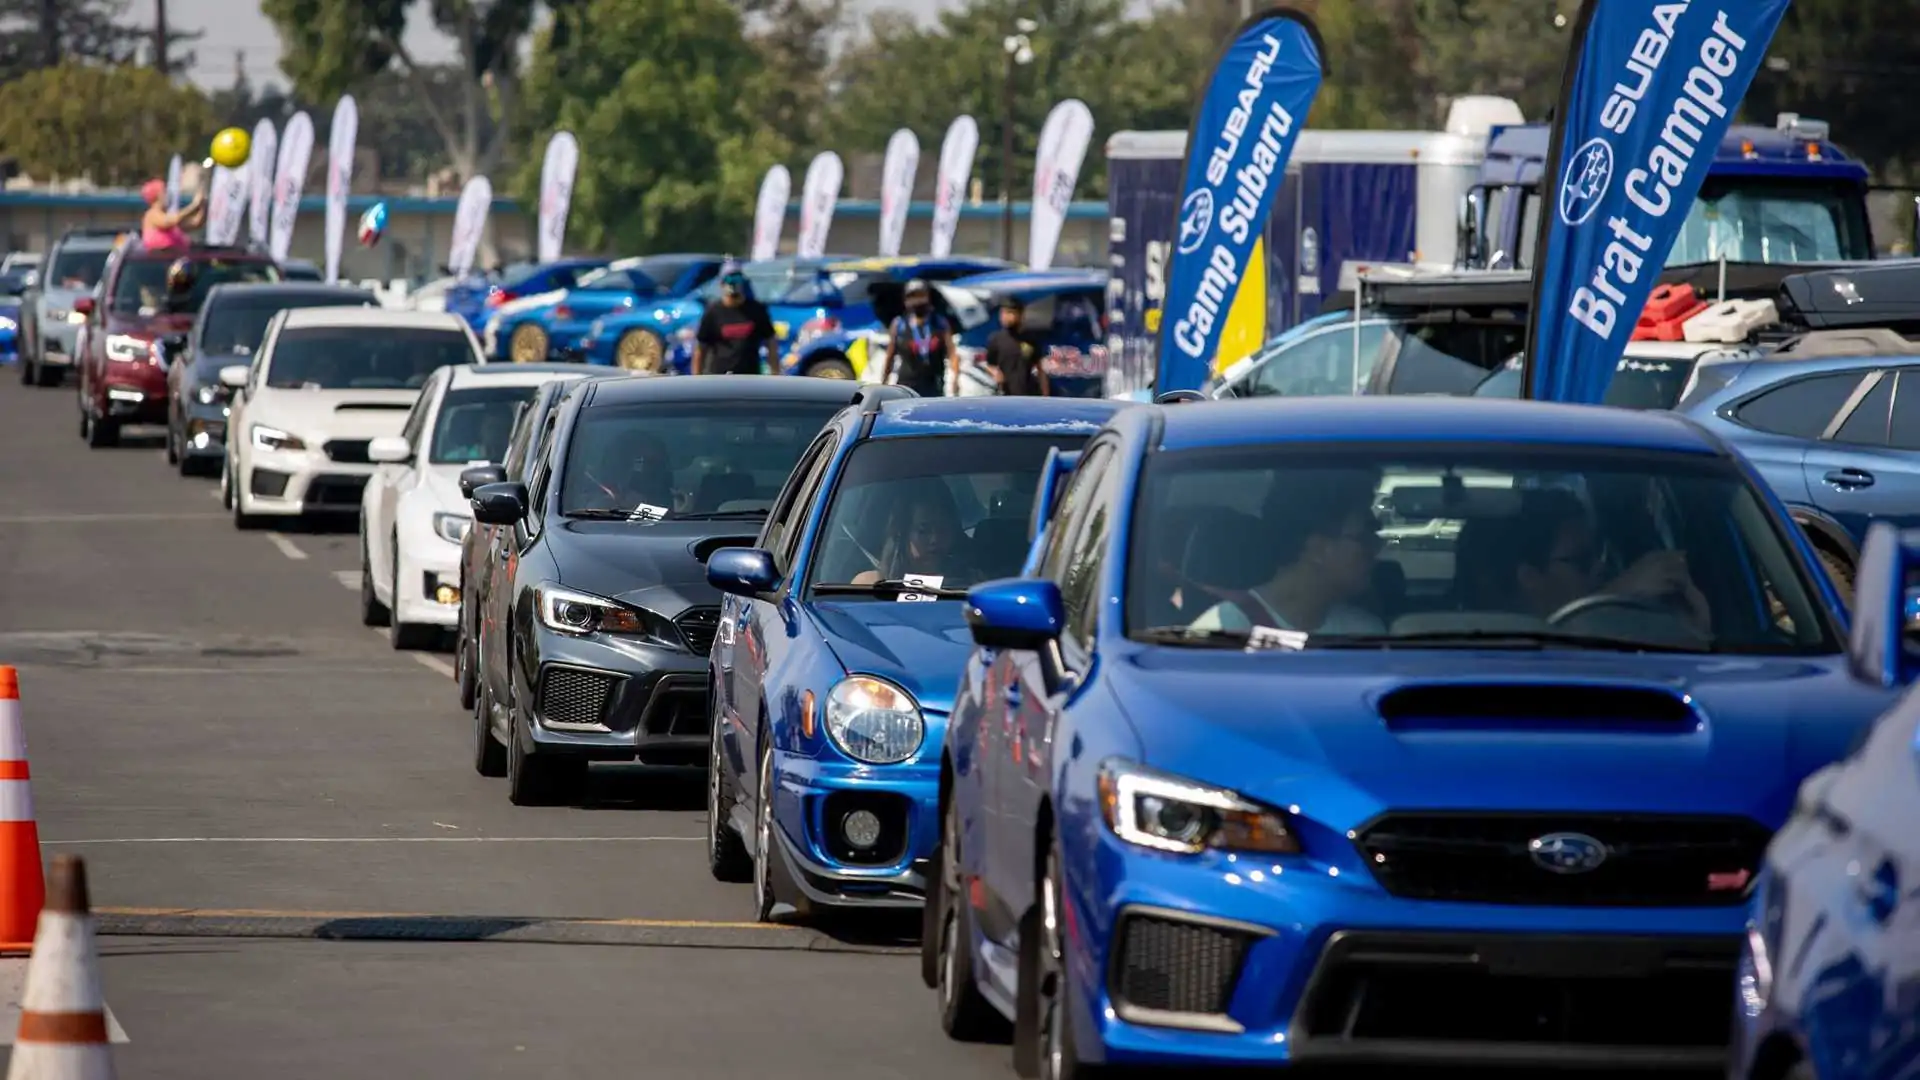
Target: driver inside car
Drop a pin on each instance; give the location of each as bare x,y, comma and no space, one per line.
628,475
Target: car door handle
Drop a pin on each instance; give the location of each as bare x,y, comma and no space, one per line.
1849,478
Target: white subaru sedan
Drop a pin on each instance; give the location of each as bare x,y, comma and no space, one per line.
325,383
414,513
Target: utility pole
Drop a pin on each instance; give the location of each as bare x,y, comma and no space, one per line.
160,35
49,32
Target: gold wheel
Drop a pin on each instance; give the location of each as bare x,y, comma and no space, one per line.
832,368
639,350
528,345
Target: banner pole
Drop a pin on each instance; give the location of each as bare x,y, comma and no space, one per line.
1550,171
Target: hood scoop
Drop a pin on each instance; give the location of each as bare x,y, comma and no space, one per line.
374,406
704,548
1521,706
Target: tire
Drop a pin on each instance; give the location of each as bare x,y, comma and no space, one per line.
536,779
964,1014
1839,570
489,757
463,662
527,344
727,856
102,433
174,457
404,636
372,611
640,350
1043,1041
29,371
765,896
833,367
242,520
48,375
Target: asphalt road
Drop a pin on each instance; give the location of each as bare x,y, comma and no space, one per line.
258,784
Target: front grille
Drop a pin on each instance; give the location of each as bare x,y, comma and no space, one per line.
1650,860
890,807
336,492
350,451
698,626
574,696
267,484
1175,966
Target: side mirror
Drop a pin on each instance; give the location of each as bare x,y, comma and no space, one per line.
474,476
499,504
1021,613
83,306
234,376
747,572
1883,608
390,450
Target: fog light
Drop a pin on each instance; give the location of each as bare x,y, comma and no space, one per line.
447,594
861,828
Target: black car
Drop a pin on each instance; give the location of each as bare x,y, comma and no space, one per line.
476,549
603,612
230,327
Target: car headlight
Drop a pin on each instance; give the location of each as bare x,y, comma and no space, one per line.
1167,813
873,721
126,348
578,614
451,527
207,395
270,438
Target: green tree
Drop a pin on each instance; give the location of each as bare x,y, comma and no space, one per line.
1845,63
672,144
116,125
1515,50
83,30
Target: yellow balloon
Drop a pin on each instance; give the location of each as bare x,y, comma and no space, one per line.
231,147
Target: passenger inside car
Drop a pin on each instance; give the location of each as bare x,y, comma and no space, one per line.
1321,539
923,537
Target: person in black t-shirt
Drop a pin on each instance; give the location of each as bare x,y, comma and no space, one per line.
920,345
735,332
1014,360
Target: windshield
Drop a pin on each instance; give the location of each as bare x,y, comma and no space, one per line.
237,325
77,268
765,281
363,357
687,458
945,511
1760,220
141,287
1639,382
475,425
1475,546
1433,353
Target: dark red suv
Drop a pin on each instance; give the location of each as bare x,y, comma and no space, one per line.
144,307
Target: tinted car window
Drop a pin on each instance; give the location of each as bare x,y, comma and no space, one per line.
363,357
475,424
76,268
687,458
1904,433
1867,424
1801,409
953,507
238,324
1319,364
141,287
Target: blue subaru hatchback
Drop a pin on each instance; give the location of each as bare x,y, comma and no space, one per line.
843,637
1383,730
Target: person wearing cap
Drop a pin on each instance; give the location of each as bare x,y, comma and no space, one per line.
735,332
921,344
164,228
1013,359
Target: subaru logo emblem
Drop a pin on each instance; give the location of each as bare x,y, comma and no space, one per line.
1567,853
1196,220
1589,174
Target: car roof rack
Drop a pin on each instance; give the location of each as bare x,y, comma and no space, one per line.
1854,296
1813,344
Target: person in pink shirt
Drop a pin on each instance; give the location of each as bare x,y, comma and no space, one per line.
163,228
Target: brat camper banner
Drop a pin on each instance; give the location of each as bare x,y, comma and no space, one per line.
1243,132
1649,91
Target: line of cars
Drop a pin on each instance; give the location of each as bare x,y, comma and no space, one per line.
1234,733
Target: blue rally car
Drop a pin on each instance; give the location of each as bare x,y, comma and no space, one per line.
1829,982
659,336
1382,731
555,329
838,650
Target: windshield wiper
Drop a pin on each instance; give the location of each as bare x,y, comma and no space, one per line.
1499,639
601,513
1192,638
722,515
848,588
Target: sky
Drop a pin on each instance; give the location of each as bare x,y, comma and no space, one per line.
236,26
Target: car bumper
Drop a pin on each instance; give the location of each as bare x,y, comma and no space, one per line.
132,401
286,483
56,343
430,571
1249,961
812,801
203,432
618,700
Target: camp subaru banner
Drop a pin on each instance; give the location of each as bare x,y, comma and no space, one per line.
227,204
1650,89
469,222
289,179
819,192
950,186
260,165
346,129
770,212
1063,147
1243,131
897,174
556,192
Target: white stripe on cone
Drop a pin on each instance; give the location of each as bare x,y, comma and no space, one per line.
63,977
13,734
16,801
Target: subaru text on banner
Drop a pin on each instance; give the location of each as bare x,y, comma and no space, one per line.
1243,132
1650,89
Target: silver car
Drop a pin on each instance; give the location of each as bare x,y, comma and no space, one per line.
48,325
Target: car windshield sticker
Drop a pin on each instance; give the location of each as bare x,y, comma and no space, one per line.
920,581
1267,639
647,512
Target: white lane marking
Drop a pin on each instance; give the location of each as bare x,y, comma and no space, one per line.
87,519
433,663
382,840
286,547
348,578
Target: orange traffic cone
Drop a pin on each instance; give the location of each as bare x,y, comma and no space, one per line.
63,1017
22,886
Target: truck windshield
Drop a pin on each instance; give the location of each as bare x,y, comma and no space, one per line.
1756,220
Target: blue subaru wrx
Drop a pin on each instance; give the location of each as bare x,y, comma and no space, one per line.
843,637
1385,731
